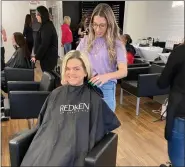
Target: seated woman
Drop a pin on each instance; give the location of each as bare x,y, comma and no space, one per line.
72,120
19,59
21,56
126,40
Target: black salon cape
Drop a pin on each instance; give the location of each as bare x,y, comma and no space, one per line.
18,60
72,120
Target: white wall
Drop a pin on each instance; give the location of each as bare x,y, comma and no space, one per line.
13,16
50,3
57,12
134,18
153,18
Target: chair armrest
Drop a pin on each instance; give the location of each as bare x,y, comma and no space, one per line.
23,85
159,62
26,104
156,69
139,60
104,153
19,146
130,87
138,65
147,85
133,73
137,57
6,107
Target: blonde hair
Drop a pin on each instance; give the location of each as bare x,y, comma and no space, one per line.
75,54
67,20
112,32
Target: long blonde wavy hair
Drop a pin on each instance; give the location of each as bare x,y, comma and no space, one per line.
112,32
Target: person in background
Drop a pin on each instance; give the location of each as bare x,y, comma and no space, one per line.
105,51
173,76
3,39
83,27
19,59
22,55
127,40
46,41
28,32
67,36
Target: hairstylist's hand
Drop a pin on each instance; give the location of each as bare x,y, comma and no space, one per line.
33,59
99,80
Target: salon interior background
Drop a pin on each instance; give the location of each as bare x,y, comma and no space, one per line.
159,19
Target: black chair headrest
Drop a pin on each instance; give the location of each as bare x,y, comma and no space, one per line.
47,82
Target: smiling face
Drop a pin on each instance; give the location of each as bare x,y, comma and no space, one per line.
75,72
99,26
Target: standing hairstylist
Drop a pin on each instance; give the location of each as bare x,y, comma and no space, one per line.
106,52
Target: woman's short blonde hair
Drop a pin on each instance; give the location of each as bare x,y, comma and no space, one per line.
75,54
67,20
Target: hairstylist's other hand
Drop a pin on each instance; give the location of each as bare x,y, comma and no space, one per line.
33,59
99,80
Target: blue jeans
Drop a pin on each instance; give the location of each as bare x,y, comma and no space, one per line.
109,92
176,145
67,47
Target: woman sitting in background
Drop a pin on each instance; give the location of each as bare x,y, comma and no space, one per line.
21,56
67,36
19,59
126,40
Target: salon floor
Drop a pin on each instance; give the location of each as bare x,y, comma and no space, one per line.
141,141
